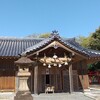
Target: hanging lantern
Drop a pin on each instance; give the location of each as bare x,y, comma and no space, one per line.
44,64
49,66
55,56
55,64
66,63
59,65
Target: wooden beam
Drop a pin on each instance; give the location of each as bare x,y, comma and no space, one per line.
70,78
60,45
91,61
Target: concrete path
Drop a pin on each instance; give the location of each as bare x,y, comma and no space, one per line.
93,93
7,95
62,96
55,96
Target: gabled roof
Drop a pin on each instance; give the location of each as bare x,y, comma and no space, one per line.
14,47
69,43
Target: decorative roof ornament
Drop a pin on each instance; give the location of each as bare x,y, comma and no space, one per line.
54,31
54,34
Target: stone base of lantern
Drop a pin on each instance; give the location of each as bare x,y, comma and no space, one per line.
23,81
23,90
23,95
23,86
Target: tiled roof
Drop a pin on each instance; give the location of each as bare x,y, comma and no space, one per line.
70,43
90,53
14,47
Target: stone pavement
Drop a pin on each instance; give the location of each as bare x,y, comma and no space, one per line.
55,96
93,93
62,96
7,95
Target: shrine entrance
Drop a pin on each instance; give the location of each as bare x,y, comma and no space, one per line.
54,77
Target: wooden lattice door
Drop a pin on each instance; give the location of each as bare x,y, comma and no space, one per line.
65,81
43,80
75,80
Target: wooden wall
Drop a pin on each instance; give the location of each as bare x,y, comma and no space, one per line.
59,77
7,75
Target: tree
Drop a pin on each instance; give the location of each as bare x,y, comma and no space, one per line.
95,44
44,35
95,40
84,41
91,42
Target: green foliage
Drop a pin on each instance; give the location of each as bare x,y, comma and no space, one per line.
95,44
95,40
91,67
92,42
94,67
44,35
84,41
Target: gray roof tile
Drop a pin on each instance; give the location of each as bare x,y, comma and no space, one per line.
70,43
14,47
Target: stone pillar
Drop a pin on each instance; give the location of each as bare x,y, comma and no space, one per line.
36,80
23,76
70,78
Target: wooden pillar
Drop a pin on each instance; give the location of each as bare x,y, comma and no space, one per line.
84,79
36,80
70,78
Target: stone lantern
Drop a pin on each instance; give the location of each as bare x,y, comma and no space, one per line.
23,74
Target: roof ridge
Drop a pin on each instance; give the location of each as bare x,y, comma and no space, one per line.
21,38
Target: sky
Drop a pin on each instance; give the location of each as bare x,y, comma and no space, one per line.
71,18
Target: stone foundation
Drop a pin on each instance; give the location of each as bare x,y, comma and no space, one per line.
23,96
